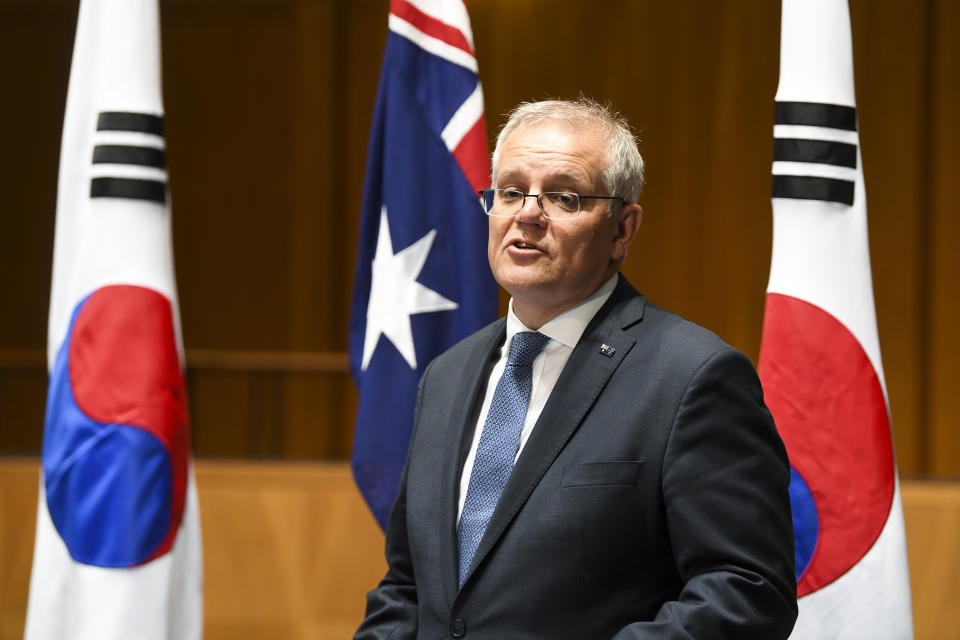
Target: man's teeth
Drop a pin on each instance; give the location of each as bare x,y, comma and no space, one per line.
524,245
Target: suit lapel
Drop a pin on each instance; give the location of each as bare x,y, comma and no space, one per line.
462,417
584,376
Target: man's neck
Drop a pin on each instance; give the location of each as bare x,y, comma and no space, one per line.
534,316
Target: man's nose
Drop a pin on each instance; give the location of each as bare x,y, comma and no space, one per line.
530,212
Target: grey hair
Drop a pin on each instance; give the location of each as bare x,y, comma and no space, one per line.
623,176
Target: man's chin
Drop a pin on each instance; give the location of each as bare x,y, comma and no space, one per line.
523,286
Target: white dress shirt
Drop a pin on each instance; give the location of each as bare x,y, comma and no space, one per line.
564,332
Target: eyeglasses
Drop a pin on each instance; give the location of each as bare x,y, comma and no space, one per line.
557,205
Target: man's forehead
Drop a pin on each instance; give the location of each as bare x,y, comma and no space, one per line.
560,126
520,173
568,151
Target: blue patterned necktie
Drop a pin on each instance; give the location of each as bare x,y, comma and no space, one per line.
498,444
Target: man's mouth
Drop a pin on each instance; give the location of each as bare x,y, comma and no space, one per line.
520,244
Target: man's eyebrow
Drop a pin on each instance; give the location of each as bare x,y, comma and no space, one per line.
571,178
508,175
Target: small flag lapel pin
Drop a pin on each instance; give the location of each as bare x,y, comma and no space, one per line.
607,350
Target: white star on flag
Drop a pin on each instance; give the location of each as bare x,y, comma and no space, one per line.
395,294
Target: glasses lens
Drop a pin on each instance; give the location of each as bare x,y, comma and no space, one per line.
502,202
561,204
487,199
509,202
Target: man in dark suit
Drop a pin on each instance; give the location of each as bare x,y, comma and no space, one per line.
590,466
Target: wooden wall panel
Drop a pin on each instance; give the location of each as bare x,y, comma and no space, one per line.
290,550
229,432
944,258
269,104
278,104
271,413
18,512
893,135
931,513
22,399
316,182
296,551
229,88
36,41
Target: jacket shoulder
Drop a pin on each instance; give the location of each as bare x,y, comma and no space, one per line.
663,334
680,333
673,346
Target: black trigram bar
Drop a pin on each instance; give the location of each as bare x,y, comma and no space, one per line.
813,188
841,154
126,154
127,121
816,114
134,188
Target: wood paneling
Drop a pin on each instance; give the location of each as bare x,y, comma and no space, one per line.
290,550
944,258
931,511
36,41
269,104
22,401
246,404
893,133
19,483
296,550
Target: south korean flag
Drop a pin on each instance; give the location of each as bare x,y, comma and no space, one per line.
117,552
820,355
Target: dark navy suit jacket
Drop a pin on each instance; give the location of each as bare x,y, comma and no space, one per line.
650,500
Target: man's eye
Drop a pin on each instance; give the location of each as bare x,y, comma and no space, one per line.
511,194
569,201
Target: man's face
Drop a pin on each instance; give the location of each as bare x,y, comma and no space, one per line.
550,265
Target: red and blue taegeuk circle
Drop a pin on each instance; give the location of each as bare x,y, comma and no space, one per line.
830,410
115,440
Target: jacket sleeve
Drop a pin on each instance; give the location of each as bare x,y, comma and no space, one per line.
725,479
392,607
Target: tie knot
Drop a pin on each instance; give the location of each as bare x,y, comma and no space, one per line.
525,347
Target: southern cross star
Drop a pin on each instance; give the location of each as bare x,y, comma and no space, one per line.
395,294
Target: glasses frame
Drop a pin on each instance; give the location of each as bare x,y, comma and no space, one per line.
539,197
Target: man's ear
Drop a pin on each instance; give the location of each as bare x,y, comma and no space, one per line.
628,222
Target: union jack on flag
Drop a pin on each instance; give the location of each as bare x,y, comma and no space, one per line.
422,278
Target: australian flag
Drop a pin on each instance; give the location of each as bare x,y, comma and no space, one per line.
422,280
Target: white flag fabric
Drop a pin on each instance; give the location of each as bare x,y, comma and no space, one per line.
117,551
820,354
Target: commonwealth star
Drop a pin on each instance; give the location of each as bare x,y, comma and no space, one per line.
395,294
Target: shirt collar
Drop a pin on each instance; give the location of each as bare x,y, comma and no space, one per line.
567,327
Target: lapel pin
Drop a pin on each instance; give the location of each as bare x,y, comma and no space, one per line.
607,350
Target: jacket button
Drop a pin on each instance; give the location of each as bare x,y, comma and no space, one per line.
458,628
